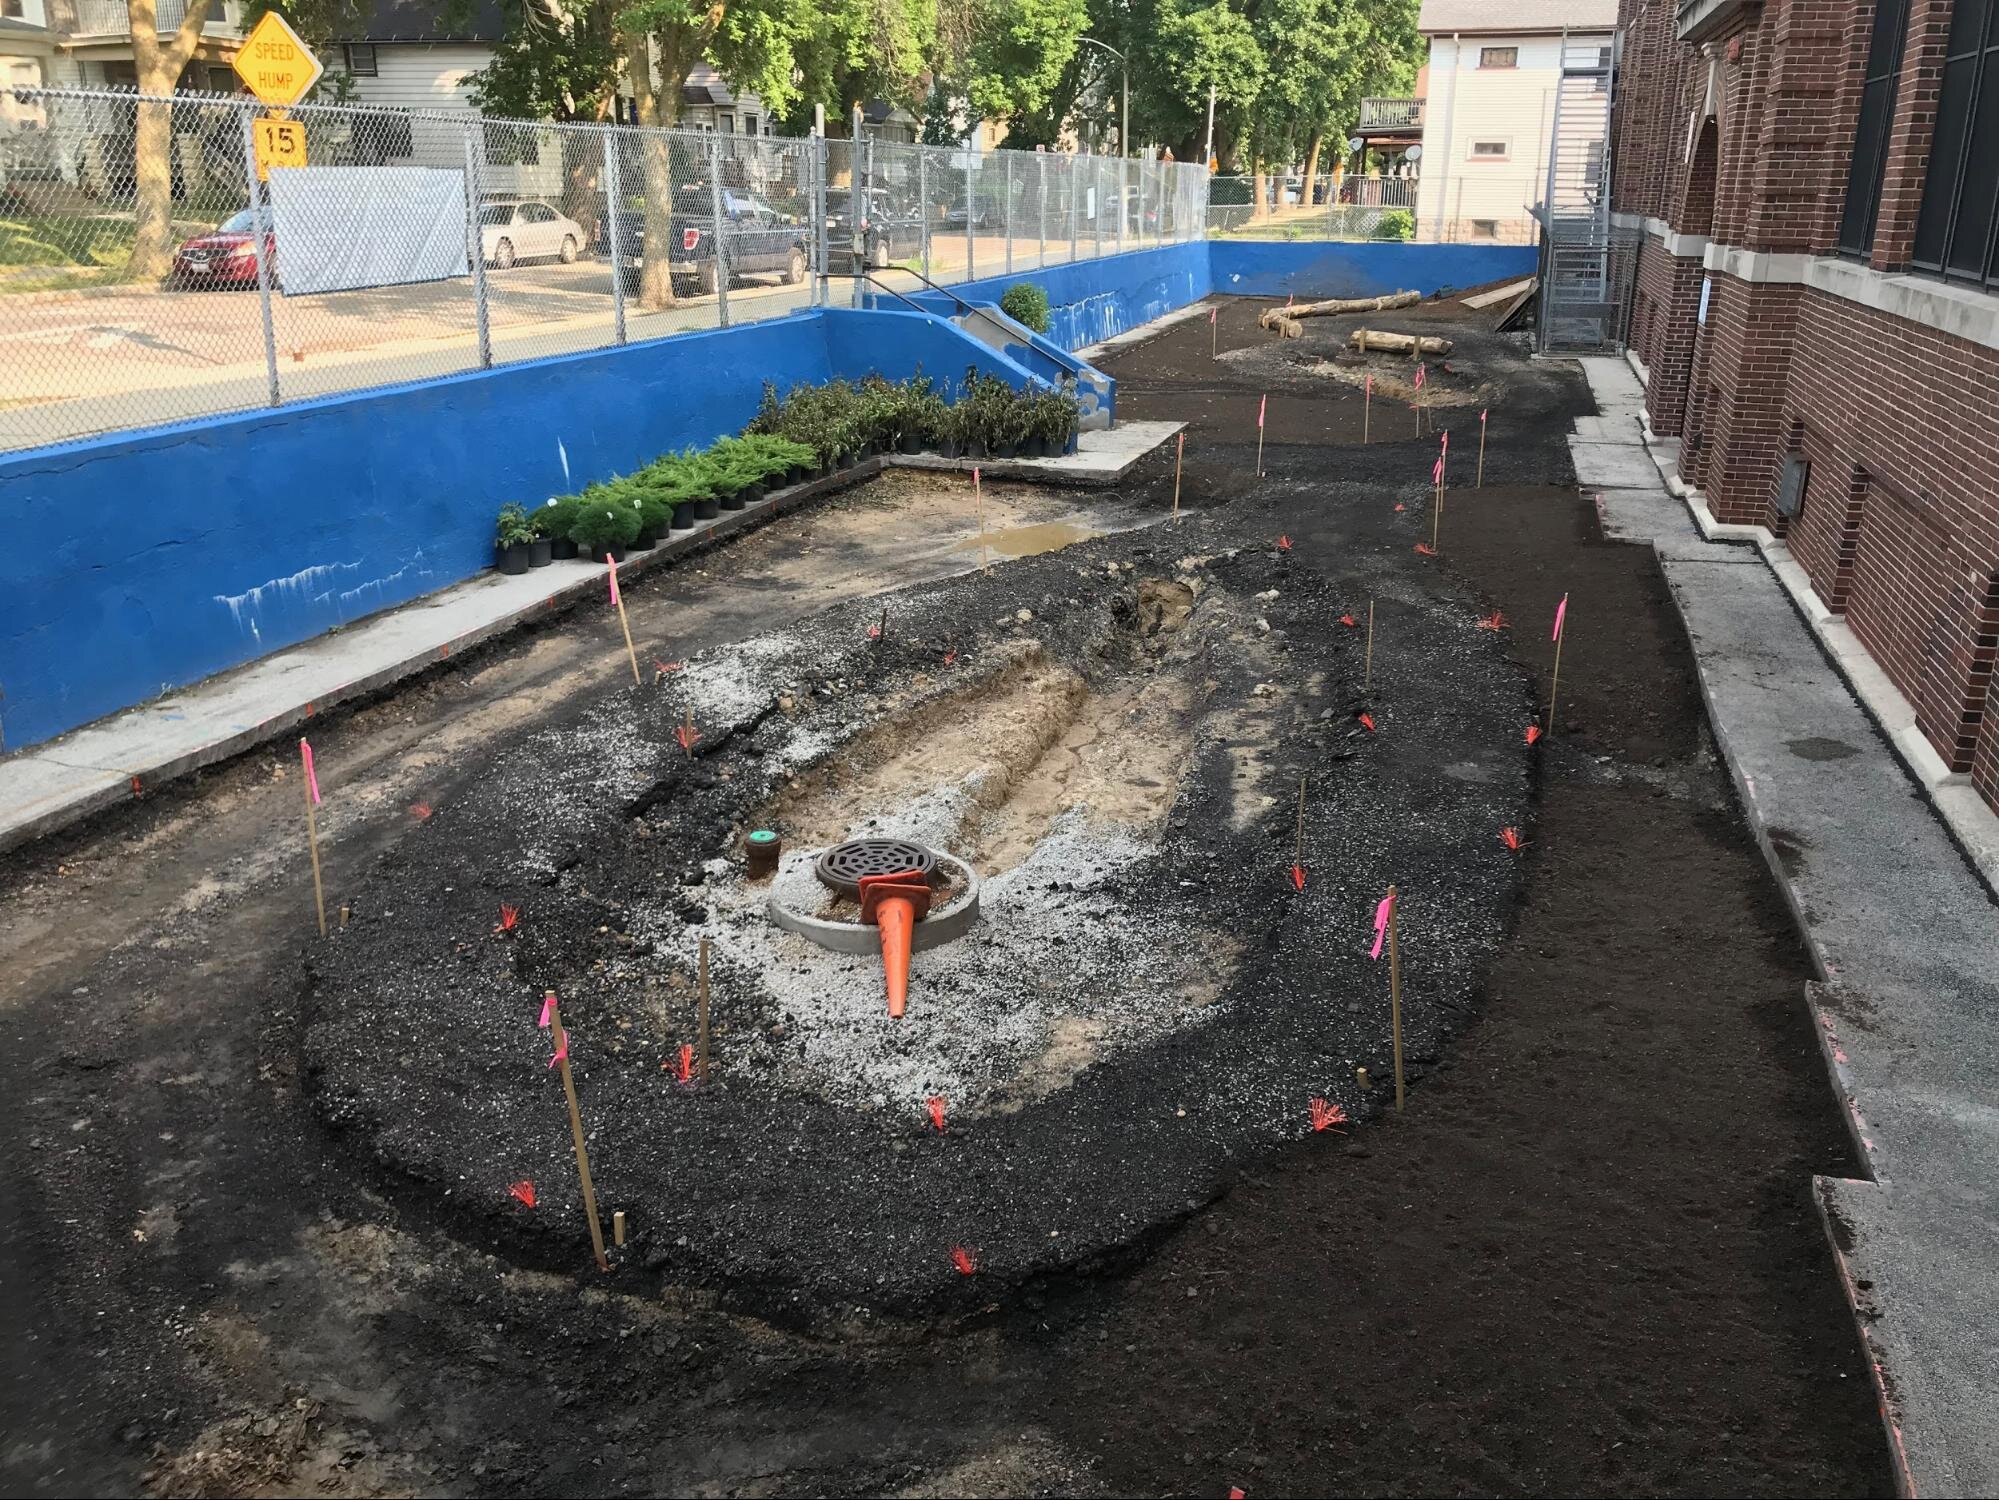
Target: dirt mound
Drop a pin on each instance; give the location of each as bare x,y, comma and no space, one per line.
1113,738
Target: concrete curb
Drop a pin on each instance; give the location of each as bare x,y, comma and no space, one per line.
1974,827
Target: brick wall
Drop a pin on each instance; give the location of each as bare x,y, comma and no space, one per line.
1669,288
1899,529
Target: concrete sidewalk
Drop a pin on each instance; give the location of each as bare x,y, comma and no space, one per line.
1903,931
52,785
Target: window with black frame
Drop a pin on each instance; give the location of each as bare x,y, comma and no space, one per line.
1955,227
1870,141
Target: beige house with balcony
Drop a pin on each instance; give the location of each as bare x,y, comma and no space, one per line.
1489,109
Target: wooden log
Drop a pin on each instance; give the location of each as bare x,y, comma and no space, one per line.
1275,317
1364,339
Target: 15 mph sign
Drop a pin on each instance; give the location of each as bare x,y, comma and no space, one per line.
275,64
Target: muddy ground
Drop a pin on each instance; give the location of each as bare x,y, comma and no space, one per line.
1583,1261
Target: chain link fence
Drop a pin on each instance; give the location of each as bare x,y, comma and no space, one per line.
1463,210
144,281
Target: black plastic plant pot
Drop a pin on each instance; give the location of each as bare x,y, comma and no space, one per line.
646,540
607,552
1007,450
561,548
513,558
1034,447
910,443
976,448
707,510
734,501
949,447
749,494
683,518
539,552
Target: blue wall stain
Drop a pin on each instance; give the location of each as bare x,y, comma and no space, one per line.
147,561
1303,268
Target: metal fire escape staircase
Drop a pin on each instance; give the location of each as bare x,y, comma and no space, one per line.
1582,270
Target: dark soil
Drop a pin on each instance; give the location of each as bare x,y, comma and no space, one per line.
1583,1261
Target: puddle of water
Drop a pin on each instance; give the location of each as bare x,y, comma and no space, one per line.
1026,541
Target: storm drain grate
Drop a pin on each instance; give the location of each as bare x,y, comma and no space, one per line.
843,865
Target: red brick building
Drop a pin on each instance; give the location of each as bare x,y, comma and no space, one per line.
1816,309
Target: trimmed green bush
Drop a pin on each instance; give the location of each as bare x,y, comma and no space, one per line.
1027,304
1396,224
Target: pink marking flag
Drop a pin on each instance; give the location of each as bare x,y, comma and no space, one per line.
1420,369
1211,315
1437,472
613,575
560,1052
1447,443
1381,925
1298,876
1481,417
311,777
1561,613
975,476
1260,406
1370,385
547,1011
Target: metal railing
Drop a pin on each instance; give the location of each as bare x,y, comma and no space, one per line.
111,18
413,245
1391,114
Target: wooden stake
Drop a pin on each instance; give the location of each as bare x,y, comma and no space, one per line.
1395,991
979,495
1298,854
1179,453
1436,517
1366,409
1214,339
618,1227
1416,411
561,1039
312,840
701,1049
1367,679
1259,447
626,626
1555,682
1480,484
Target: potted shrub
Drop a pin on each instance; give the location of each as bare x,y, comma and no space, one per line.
603,531
552,521
513,537
545,521
728,477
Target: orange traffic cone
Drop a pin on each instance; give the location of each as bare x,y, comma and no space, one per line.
895,903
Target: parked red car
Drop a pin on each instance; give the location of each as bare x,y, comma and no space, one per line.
227,256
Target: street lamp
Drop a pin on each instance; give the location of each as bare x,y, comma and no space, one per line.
1124,117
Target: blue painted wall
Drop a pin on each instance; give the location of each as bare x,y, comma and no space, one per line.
1284,268
1093,300
143,563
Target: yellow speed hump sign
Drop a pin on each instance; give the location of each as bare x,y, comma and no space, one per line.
279,143
274,64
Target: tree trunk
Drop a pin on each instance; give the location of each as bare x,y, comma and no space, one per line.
1312,167
581,172
1259,190
158,69
656,153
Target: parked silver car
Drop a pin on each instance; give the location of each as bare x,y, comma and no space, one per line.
523,229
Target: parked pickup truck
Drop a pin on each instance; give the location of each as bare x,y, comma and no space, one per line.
756,239
889,233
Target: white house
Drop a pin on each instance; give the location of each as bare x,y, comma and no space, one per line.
421,55
1490,109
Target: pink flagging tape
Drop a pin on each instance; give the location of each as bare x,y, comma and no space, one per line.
560,1052
1561,613
547,1011
1381,925
311,777
1261,406
613,576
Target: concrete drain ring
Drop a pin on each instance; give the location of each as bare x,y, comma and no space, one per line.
943,925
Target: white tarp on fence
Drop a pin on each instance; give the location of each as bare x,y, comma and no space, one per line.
338,229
